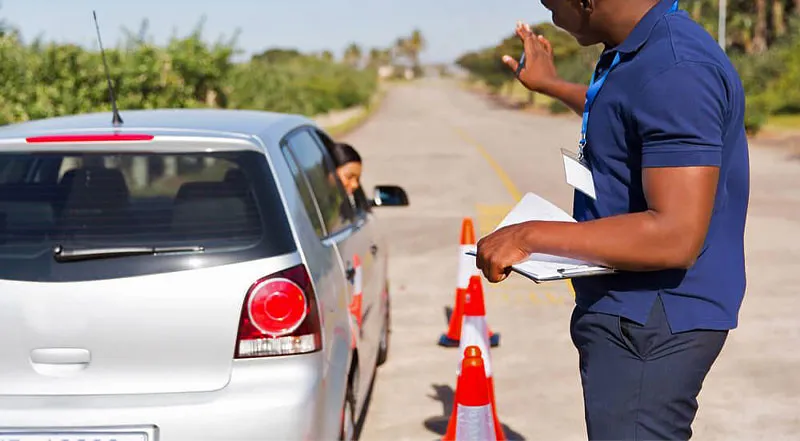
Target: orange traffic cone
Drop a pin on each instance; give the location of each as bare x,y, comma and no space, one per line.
474,332
472,417
357,300
466,270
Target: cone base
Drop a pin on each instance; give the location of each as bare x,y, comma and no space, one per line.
448,342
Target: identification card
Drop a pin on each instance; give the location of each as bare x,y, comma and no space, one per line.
578,174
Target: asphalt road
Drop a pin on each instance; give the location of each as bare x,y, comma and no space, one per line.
458,155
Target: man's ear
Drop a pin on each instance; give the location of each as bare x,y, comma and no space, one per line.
588,5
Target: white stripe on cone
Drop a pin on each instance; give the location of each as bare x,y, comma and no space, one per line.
466,266
474,423
357,280
475,332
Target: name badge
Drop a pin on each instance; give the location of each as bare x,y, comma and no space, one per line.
578,175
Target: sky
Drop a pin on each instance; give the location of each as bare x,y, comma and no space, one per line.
450,27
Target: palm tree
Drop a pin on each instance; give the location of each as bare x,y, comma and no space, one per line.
779,17
4,26
416,44
400,48
760,39
379,57
352,55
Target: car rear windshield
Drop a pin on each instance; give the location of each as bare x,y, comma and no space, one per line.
226,203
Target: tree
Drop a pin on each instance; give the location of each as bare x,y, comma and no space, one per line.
353,55
379,57
416,44
276,55
401,49
327,56
5,28
760,39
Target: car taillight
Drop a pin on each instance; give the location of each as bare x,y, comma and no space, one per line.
279,316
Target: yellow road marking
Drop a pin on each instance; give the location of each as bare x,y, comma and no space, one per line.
534,298
553,299
504,178
504,295
571,288
493,210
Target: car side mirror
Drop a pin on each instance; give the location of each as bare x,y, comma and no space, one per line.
389,196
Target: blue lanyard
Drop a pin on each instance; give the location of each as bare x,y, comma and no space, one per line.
594,88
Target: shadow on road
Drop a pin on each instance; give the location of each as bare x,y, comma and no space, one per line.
438,424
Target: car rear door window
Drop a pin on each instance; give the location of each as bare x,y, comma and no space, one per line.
320,175
305,194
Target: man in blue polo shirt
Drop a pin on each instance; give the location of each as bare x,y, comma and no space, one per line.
661,179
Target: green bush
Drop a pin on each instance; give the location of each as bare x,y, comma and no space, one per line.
46,80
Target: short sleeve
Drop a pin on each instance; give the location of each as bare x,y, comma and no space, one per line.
680,116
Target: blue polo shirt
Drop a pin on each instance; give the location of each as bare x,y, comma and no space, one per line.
674,100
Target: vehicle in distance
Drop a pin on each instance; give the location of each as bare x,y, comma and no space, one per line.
188,275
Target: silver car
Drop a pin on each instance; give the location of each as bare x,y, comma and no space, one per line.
189,275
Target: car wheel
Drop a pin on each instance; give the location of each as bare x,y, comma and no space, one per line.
383,348
348,430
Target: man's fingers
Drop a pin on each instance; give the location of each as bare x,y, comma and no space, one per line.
545,44
496,273
511,62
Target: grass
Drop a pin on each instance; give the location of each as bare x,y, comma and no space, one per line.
784,122
514,93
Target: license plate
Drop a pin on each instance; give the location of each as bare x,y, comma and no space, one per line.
74,436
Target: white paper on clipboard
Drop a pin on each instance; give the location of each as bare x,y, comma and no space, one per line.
544,267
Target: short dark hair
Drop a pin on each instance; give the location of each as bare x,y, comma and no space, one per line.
344,153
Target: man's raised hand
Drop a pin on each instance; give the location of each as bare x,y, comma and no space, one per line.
539,70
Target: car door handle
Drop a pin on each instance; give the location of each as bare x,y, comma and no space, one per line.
374,249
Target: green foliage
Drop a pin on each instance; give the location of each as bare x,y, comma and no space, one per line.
45,80
573,62
763,41
306,85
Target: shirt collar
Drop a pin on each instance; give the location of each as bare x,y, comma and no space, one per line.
644,28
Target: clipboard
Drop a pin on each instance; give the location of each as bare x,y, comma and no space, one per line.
544,267
559,273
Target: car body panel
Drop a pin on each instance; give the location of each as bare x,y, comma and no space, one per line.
292,403
137,332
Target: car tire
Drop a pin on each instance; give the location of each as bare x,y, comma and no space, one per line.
383,347
347,432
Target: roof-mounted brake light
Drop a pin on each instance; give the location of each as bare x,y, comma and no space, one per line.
118,137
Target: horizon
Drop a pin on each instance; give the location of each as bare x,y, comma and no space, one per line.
450,28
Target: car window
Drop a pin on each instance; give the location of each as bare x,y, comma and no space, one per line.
358,202
334,206
124,199
305,194
77,200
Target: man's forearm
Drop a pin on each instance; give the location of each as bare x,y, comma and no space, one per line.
631,242
573,95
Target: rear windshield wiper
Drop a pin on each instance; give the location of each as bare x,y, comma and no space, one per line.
61,254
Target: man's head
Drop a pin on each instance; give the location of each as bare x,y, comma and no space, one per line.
594,21
578,17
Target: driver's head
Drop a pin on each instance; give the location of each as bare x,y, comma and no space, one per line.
348,165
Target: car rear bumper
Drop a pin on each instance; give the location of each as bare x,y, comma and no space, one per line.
282,399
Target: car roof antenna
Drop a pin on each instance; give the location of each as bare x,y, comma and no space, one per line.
116,119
